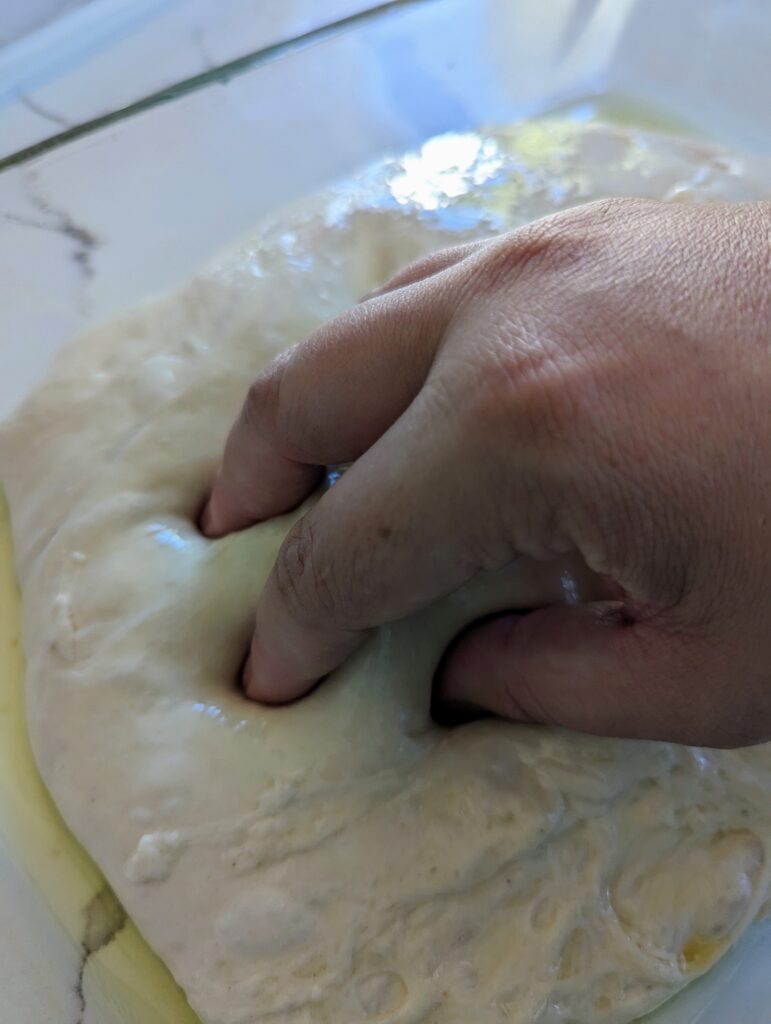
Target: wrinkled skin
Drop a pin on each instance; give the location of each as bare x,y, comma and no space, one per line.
599,381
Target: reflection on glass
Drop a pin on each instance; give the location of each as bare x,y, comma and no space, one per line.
444,169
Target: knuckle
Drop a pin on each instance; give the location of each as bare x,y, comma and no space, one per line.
611,210
308,591
578,235
526,250
549,242
602,220
295,575
263,399
415,270
273,409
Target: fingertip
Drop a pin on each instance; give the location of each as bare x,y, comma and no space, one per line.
257,684
469,663
205,521
266,681
209,521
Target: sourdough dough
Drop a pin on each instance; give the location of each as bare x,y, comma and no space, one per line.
344,860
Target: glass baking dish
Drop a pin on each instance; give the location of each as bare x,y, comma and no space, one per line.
127,208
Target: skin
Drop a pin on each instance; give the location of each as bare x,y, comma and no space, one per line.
598,382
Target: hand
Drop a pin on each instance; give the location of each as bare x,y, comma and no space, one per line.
599,382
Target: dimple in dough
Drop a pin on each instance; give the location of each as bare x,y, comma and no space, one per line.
344,860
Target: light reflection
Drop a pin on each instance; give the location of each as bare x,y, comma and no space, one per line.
569,588
210,710
446,168
582,113
293,253
167,536
333,474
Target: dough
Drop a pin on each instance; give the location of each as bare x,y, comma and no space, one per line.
344,860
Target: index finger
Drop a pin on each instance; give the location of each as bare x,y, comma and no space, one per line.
366,554
328,399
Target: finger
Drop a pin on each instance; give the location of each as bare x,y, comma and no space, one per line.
326,401
427,266
366,554
586,668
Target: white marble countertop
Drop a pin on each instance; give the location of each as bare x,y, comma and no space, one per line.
92,226
36,965
19,18
96,56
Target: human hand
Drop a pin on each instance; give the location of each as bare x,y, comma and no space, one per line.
599,382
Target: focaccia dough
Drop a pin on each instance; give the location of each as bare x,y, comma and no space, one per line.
345,860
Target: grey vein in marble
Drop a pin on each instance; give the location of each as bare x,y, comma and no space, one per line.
44,112
60,221
198,39
103,919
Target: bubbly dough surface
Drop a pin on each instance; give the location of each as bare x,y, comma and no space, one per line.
344,860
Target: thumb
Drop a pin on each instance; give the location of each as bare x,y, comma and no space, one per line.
584,667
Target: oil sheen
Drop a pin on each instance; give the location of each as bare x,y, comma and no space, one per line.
124,977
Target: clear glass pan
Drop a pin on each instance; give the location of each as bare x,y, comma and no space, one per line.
94,223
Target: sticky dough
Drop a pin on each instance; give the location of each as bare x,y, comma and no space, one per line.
345,860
